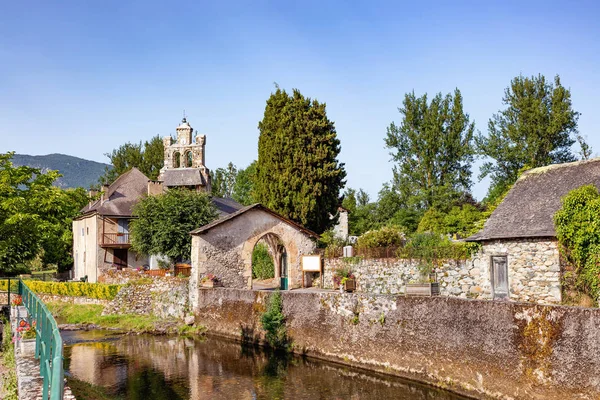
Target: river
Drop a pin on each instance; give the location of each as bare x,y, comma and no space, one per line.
101,365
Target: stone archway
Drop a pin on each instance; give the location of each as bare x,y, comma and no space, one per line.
224,247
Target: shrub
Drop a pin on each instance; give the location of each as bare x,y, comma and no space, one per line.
262,263
383,237
431,249
578,231
273,322
76,289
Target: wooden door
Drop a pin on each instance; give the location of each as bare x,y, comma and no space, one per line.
120,257
499,277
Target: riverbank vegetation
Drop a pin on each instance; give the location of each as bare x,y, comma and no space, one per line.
91,314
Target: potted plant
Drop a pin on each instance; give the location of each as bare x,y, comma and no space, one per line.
210,281
344,280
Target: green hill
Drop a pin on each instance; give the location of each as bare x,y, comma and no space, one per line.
76,172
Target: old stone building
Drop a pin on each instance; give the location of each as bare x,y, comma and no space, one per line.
519,258
185,160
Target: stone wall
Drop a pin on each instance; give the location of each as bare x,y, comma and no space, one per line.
533,268
488,349
52,298
533,272
164,297
461,278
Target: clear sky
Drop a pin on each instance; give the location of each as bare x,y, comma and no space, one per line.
82,77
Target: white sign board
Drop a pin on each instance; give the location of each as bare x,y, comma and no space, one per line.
311,263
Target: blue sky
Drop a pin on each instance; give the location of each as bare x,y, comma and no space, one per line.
82,78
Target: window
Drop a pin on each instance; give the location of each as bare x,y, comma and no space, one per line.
88,230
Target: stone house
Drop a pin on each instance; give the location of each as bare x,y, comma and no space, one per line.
519,254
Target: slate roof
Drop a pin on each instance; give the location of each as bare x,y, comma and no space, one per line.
183,177
226,205
122,195
256,206
528,209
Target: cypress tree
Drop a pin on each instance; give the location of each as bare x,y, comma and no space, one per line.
297,173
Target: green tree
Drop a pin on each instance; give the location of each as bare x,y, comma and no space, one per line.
163,222
148,157
433,150
391,210
297,173
538,127
223,180
243,189
35,217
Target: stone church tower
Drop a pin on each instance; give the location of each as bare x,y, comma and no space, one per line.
184,160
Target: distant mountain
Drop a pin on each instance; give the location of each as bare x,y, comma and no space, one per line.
76,172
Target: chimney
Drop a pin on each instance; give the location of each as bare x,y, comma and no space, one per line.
104,195
92,195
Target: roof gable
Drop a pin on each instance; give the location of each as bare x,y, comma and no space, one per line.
256,206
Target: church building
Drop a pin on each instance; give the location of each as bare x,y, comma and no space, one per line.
185,161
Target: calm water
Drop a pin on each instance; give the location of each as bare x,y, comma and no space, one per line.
101,366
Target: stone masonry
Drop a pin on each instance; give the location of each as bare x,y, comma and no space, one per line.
533,272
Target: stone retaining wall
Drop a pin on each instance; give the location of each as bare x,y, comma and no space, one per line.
489,349
533,272
52,298
461,278
164,297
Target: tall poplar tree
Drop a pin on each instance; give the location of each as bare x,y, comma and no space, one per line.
433,150
297,173
538,127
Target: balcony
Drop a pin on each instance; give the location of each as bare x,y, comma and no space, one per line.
116,240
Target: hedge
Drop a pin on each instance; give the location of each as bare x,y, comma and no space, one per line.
76,289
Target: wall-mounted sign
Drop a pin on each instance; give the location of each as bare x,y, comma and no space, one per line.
311,263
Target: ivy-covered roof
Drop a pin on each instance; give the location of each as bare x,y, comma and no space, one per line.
528,209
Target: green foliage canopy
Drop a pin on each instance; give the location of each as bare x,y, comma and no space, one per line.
577,226
432,148
297,173
163,223
148,157
273,322
35,217
243,189
223,180
537,128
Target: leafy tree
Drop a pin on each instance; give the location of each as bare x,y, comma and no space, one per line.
223,181
148,157
297,173
391,210
537,128
262,263
35,217
462,221
361,212
164,222
243,189
578,231
433,149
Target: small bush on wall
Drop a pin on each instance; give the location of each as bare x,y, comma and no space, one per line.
383,237
76,289
262,263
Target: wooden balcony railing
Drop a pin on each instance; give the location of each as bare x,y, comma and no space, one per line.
116,240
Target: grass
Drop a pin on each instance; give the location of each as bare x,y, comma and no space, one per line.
8,387
81,314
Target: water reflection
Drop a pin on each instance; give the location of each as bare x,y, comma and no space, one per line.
156,367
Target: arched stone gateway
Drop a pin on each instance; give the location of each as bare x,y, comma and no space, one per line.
224,247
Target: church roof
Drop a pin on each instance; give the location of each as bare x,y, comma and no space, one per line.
124,193
226,205
528,209
183,177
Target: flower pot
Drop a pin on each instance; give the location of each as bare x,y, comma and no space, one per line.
350,285
210,284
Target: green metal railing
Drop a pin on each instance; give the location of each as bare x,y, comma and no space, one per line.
48,344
